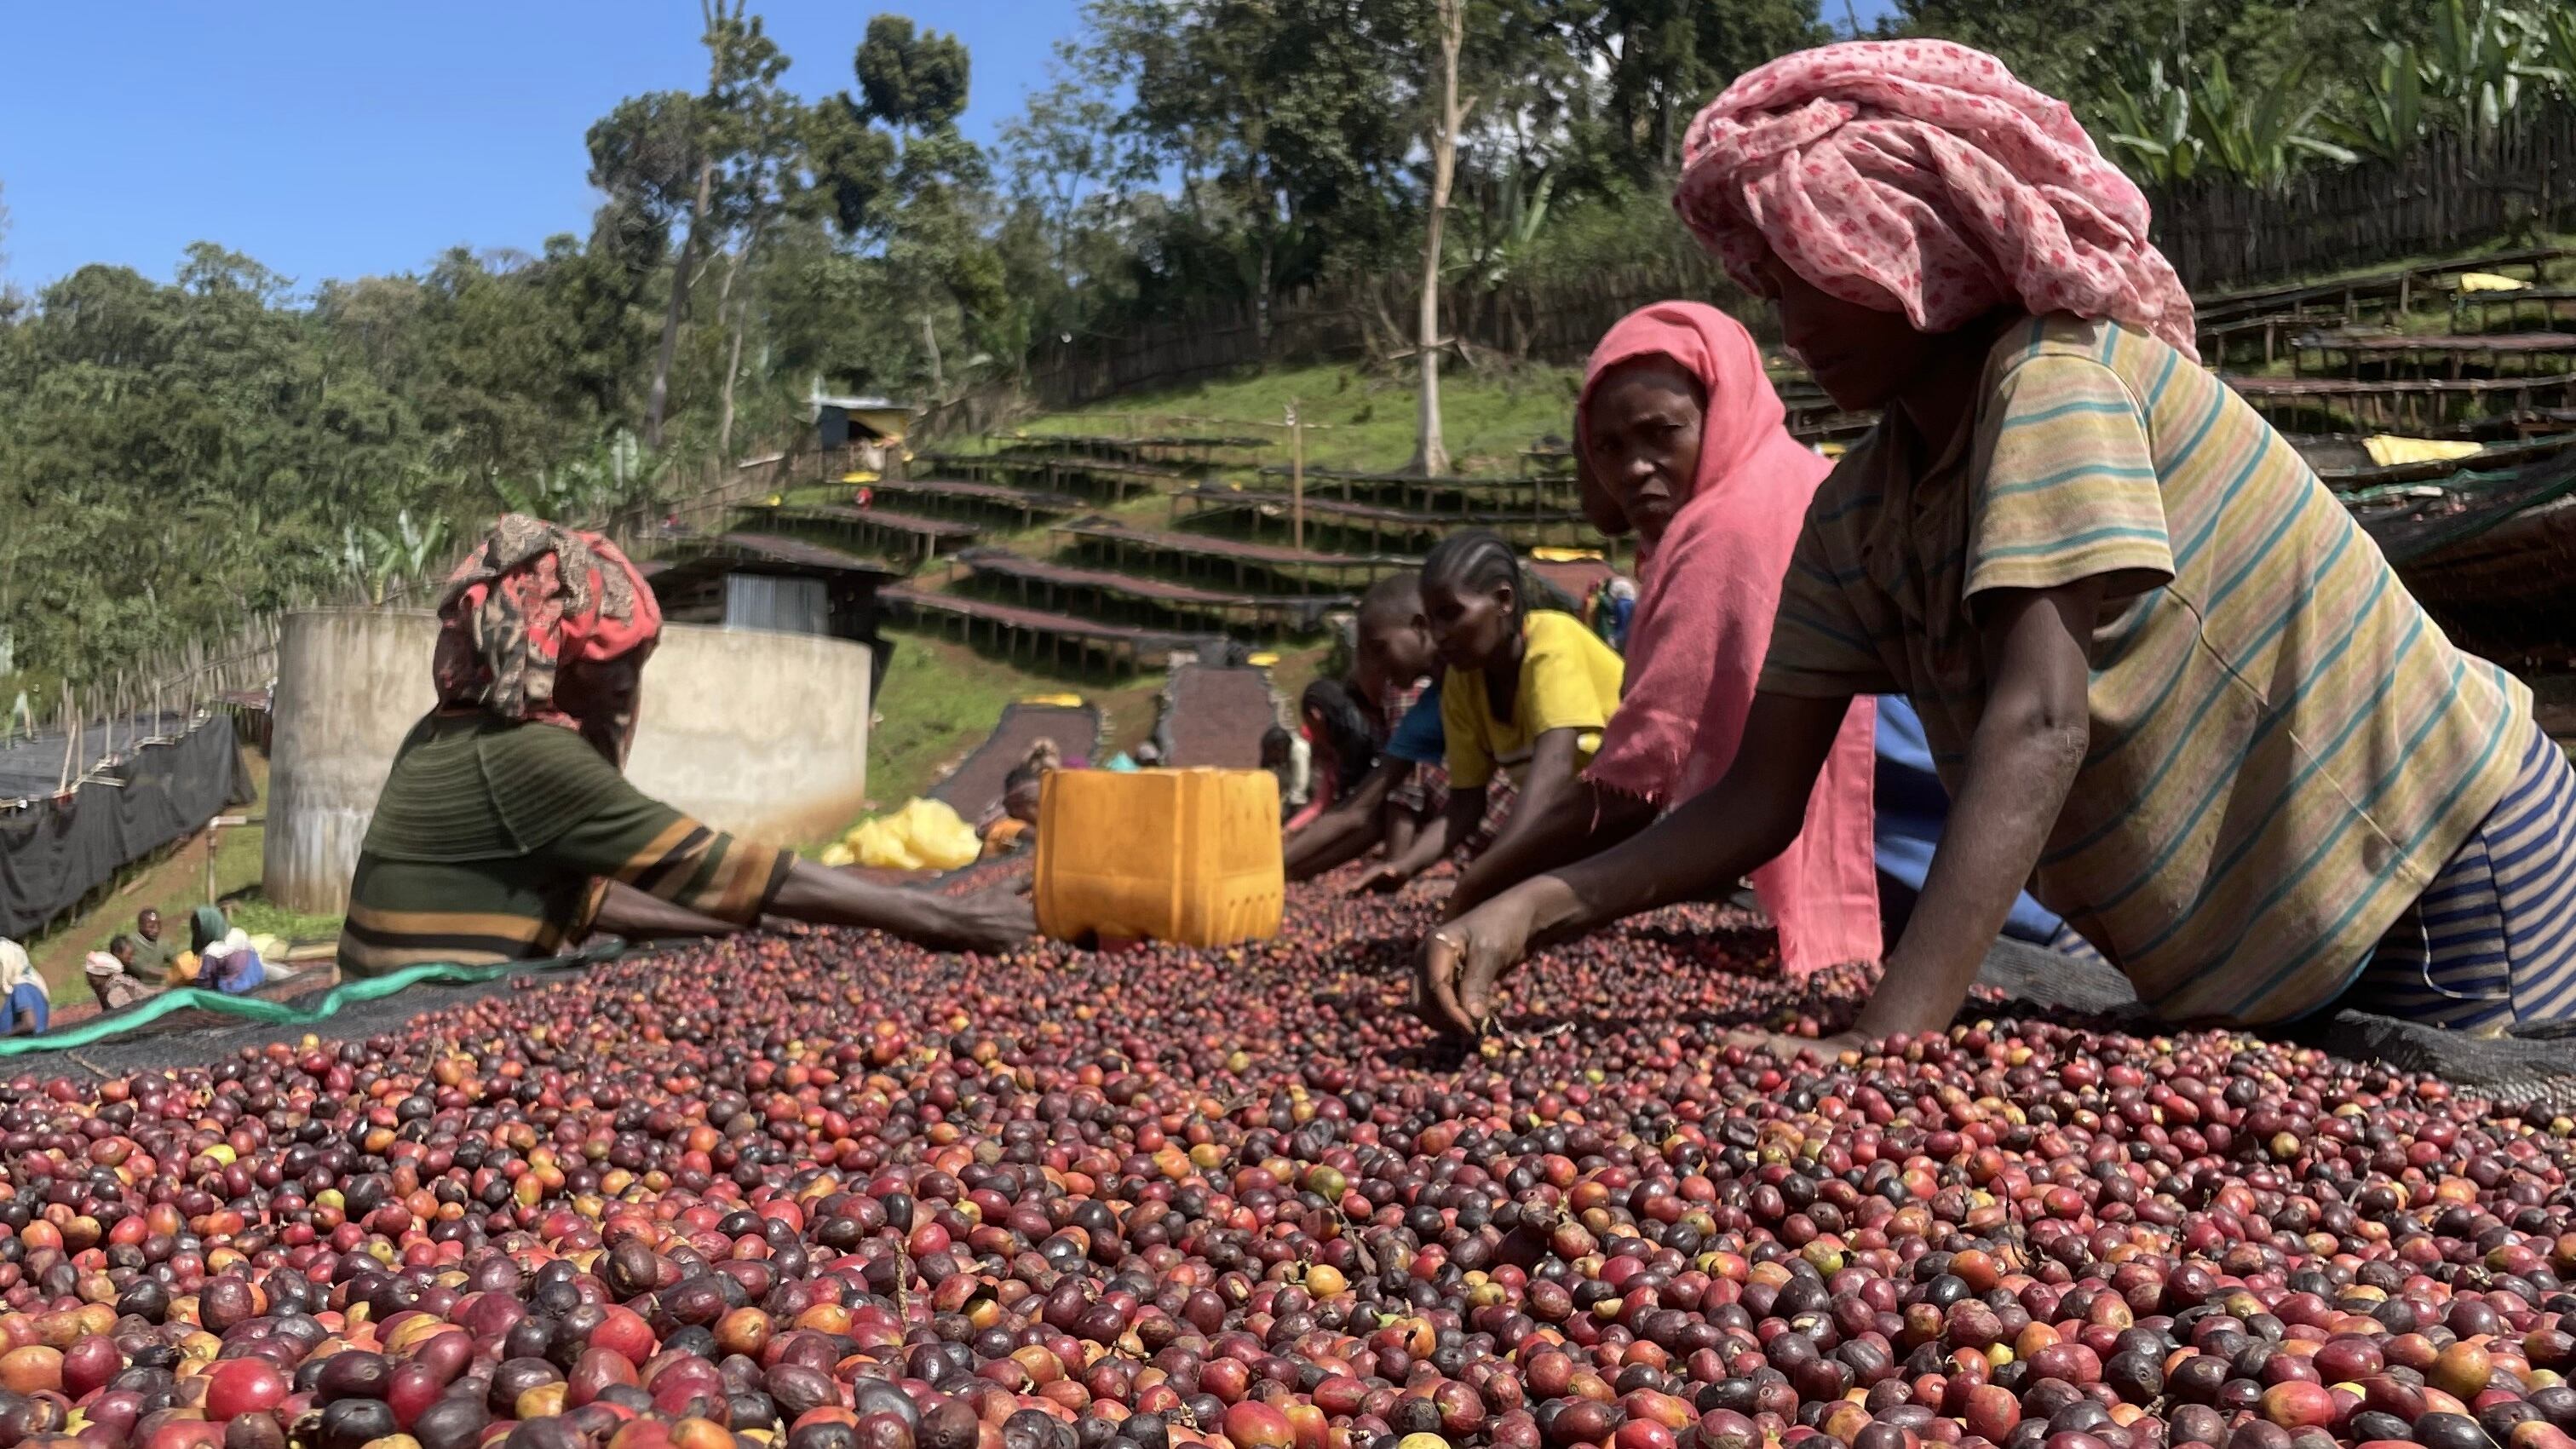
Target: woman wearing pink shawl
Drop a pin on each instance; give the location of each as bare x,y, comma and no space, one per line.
2165,678
1679,430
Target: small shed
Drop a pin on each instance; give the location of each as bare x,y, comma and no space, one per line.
866,426
785,585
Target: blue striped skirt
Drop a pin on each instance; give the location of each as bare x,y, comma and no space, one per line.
2491,943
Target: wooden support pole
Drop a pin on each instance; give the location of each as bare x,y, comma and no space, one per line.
1296,477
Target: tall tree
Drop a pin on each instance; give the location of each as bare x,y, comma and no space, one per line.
1663,59
1276,116
708,136
1448,117
905,187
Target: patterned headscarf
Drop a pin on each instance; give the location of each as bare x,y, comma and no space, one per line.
1918,175
1703,620
530,610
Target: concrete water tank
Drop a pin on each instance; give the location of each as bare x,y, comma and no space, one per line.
763,734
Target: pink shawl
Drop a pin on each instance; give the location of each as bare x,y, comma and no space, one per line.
1920,173
1703,623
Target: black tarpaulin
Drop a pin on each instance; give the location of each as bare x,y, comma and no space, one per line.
55,851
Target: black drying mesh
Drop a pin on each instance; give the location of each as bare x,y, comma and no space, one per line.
32,768
974,788
2471,504
2538,1067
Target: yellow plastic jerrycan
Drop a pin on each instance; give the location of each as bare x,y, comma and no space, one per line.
1185,856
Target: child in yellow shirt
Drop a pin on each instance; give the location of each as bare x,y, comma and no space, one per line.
1525,692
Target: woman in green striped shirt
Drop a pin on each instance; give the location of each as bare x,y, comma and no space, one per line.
507,829
2167,679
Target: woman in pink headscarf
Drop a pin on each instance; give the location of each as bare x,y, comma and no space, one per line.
1678,433
2165,678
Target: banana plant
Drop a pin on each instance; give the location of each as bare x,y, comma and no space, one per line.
2259,140
2478,57
1509,237
2389,118
2553,34
620,472
2148,122
2169,131
378,556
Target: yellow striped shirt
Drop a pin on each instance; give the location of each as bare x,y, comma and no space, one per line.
2284,749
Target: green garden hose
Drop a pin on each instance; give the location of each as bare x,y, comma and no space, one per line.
278,1013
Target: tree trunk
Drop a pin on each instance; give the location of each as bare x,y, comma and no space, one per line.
741,324
1431,453
733,369
1261,297
660,396
930,340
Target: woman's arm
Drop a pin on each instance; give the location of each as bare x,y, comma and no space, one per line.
990,921
1466,811
1348,830
1579,821
1402,825
2021,762
634,915
1698,850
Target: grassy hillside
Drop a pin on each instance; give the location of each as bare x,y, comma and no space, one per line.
1354,419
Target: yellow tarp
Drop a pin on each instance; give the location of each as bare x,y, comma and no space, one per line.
1550,554
1062,701
2489,282
923,835
862,476
2388,450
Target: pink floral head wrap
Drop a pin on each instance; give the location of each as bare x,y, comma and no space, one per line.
530,618
1919,176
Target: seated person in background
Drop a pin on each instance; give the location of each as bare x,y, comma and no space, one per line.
507,829
1525,694
152,949
1342,746
1014,823
1618,608
231,966
114,978
1291,759
26,1008
206,926
1404,793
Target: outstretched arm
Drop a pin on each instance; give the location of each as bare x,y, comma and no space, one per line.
1466,811
1576,822
1694,853
636,916
2021,762
991,921
1349,829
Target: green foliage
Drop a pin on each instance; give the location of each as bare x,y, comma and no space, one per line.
911,81
2303,81
409,550
2389,117
2166,132
2477,58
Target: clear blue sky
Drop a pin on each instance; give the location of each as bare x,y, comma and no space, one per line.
343,139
